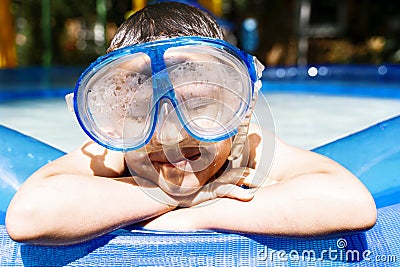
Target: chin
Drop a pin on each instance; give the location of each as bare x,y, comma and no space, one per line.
176,190
182,183
186,173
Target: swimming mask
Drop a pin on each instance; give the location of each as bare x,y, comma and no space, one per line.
209,84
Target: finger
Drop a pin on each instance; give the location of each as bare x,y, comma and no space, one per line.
241,176
234,176
251,179
233,191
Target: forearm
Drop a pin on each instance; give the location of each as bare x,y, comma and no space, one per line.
296,214
308,205
66,209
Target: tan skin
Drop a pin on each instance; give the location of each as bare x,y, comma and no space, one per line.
89,192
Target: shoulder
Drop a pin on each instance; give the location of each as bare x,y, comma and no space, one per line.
280,161
89,159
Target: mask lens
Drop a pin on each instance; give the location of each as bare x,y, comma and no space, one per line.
212,87
137,120
118,100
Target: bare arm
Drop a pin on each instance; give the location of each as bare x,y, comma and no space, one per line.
305,194
85,194
78,197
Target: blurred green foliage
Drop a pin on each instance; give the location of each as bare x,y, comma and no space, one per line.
344,31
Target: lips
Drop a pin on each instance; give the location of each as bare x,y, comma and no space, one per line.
175,156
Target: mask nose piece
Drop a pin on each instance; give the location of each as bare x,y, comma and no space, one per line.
169,128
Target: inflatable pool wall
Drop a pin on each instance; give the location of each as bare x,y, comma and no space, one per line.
373,154
20,156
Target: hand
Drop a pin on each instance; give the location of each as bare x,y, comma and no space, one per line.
227,185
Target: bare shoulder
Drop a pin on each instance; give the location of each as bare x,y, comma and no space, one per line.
89,159
290,161
286,161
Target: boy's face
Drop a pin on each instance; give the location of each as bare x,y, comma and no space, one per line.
120,103
180,168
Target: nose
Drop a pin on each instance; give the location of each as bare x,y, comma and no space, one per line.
169,129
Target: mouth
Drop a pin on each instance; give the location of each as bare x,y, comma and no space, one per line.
186,159
185,156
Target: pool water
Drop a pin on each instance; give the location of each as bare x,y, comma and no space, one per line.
301,119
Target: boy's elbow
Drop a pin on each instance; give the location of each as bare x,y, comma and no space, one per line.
369,215
355,203
363,213
21,224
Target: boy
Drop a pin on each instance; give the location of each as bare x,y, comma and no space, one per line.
168,109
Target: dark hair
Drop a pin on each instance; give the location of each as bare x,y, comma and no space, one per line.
165,20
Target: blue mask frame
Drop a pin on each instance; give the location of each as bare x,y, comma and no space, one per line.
162,86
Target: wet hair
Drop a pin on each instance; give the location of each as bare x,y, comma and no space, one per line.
165,20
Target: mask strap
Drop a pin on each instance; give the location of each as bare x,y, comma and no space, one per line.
69,99
240,138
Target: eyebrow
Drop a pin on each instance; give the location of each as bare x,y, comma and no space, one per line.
200,55
140,62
